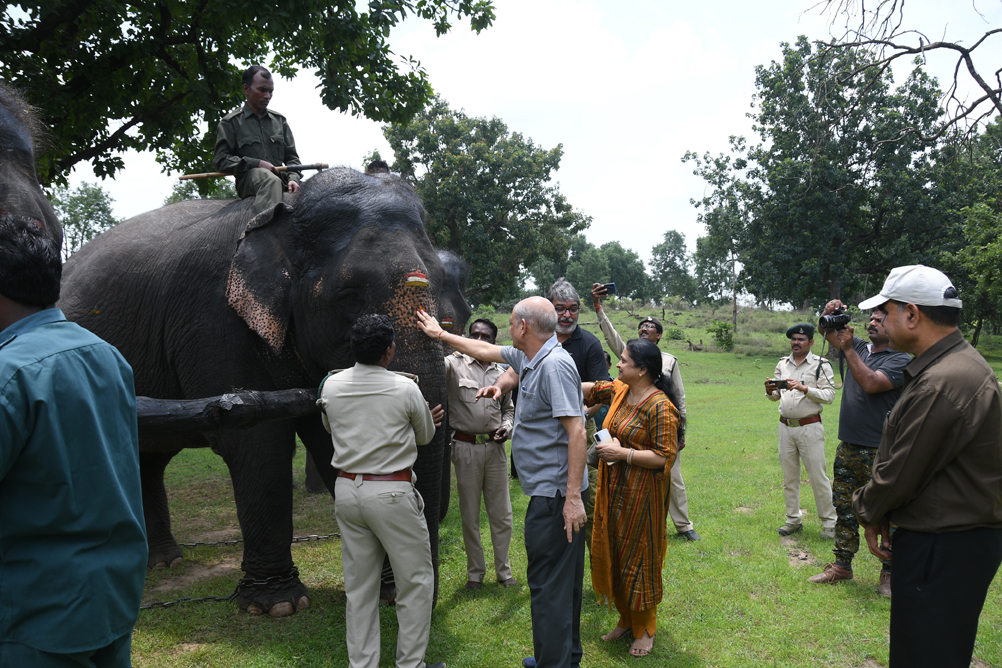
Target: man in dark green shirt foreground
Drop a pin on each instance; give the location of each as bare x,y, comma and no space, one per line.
937,475
72,536
253,140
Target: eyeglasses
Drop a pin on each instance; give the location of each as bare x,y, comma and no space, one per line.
573,308
647,325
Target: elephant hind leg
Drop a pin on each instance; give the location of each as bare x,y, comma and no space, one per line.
164,551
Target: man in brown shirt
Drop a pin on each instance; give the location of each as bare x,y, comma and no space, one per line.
937,475
480,431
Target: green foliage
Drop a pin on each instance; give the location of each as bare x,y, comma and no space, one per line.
488,195
723,334
224,188
152,75
84,213
675,334
586,265
670,263
837,192
979,262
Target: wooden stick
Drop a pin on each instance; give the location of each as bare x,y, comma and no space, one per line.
284,168
237,410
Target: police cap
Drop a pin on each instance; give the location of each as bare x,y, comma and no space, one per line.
805,328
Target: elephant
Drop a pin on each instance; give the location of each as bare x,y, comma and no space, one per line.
203,299
20,194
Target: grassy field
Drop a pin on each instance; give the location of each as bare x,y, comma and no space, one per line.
739,597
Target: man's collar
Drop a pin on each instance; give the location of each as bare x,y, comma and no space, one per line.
934,352
247,111
34,320
545,350
576,334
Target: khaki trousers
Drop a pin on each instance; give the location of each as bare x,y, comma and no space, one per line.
482,471
678,503
380,518
805,443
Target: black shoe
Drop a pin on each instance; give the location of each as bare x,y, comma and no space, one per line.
689,535
529,662
435,665
787,530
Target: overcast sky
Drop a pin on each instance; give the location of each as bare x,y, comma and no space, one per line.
627,87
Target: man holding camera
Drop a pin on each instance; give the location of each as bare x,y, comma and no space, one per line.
876,373
802,384
652,330
937,475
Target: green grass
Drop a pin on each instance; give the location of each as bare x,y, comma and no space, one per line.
739,597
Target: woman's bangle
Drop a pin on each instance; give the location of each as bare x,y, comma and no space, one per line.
629,457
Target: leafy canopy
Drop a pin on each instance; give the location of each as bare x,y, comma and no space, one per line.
84,212
108,76
487,193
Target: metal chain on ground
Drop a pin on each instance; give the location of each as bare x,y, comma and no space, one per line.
236,541
244,582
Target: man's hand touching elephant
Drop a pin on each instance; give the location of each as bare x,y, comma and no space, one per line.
437,415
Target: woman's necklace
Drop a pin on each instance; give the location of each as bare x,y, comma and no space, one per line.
636,397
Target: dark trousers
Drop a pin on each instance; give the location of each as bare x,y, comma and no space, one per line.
555,572
937,592
118,654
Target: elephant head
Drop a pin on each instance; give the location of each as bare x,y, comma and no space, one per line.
454,310
351,244
20,194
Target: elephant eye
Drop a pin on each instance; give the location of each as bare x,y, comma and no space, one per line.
351,302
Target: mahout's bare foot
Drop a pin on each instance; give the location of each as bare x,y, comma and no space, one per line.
615,634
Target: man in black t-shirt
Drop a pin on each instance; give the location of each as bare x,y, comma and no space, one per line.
876,374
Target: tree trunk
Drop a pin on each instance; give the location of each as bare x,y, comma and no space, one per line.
977,331
236,410
734,289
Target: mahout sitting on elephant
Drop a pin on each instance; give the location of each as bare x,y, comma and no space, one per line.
202,302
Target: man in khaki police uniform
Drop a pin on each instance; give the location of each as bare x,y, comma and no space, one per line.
652,330
481,428
801,434
253,140
377,419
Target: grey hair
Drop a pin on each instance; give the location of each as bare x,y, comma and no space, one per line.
542,321
562,291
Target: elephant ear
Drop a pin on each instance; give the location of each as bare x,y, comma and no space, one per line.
260,279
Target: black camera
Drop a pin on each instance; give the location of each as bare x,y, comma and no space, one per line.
837,320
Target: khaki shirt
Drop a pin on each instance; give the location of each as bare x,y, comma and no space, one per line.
669,363
794,404
376,419
463,377
939,465
243,139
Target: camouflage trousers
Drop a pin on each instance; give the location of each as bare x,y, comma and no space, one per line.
853,468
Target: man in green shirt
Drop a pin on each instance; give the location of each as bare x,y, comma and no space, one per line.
253,140
72,538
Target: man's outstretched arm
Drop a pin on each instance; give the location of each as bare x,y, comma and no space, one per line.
481,350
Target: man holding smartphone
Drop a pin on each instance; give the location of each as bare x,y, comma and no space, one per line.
801,392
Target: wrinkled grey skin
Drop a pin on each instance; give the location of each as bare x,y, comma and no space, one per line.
20,194
201,302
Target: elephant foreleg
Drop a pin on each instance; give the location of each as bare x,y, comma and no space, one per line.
259,461
163,548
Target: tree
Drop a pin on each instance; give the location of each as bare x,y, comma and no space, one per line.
669,265
222,188
877,34
488,196
626,270
824,203
84,213
109,76
979,262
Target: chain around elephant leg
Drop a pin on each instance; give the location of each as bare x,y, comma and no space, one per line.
278,596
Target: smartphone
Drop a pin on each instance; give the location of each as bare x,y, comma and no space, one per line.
782,384
610,288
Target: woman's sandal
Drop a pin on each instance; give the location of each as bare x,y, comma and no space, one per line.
642,651
615,634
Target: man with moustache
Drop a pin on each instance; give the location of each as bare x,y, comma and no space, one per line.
652,330
937,475
876,373
253,140
801,434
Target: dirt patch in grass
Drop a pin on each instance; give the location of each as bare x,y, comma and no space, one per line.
229,533
801,557
744,510
871,663
226,567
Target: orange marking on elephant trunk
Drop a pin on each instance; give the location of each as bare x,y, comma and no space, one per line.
416,279
447,322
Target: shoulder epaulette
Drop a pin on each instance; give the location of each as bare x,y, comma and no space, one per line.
233,114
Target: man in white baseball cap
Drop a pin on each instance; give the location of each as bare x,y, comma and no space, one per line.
937,475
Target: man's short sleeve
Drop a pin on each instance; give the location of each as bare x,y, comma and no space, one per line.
893,366
514,357
563,385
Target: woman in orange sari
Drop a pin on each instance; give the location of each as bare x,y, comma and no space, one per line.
630,535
